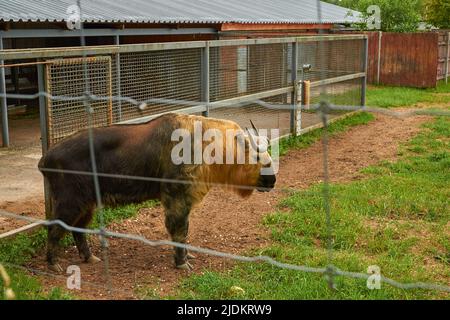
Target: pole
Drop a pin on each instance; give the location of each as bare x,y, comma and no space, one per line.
380,35
447,58
364,79
4,102
296,119
119,92
44,134
205,78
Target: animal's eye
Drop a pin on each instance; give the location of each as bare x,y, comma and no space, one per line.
263,147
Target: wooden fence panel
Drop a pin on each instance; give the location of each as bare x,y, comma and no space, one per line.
372,66
405,59
444,57
409,59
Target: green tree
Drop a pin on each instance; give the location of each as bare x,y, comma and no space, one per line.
396,15
437,13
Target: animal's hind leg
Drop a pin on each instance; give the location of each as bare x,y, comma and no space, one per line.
68,214
83,248
55,234
80,238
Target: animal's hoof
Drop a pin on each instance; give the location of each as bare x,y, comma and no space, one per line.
185,266
56,267
93,259
191,256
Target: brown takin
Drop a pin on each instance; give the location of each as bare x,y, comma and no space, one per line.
147,151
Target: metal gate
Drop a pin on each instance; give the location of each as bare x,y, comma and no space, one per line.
65,79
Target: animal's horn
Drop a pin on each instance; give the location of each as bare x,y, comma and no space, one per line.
254,127
250,137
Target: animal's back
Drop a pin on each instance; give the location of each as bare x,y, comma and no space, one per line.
120,151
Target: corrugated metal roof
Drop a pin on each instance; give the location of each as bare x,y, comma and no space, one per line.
177,11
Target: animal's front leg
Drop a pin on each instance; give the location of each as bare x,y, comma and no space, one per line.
177,223
177,202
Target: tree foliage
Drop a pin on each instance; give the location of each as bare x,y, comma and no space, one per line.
437,13
396,15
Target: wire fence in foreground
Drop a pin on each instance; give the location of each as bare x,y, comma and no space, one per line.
323,109
329,270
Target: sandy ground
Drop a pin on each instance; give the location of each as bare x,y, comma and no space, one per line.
21,184
224,222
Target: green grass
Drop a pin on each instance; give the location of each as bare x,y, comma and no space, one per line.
395,218
306,140
391,97
396,200
111,215
21,249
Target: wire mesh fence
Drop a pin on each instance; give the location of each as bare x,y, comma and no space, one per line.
245,79
65,78
174,76
165,74
247,69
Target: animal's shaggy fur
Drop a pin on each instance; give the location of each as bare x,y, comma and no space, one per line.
142,150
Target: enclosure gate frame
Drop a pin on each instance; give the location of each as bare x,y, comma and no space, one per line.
3,101
43,119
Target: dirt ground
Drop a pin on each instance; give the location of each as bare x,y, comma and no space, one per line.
21,187
224,222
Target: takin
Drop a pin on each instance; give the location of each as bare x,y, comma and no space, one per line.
145,151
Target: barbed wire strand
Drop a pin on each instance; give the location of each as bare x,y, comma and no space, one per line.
326,197
330,270
90,111
323,109
323,114
236,257
217,105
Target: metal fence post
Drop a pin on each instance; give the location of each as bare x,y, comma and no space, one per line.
447,58
119,102
44,134
365,58
4,102
205,77
380,35
296,116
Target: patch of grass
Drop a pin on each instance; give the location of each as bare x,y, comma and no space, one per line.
17,252
24,247
395,218
442,87
28,288
307,139
121,213
391,97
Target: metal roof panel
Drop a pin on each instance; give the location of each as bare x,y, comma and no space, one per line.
178,11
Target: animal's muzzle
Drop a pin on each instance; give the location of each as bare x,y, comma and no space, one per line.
266,183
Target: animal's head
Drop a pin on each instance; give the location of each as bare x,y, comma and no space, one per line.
260,146
258,172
